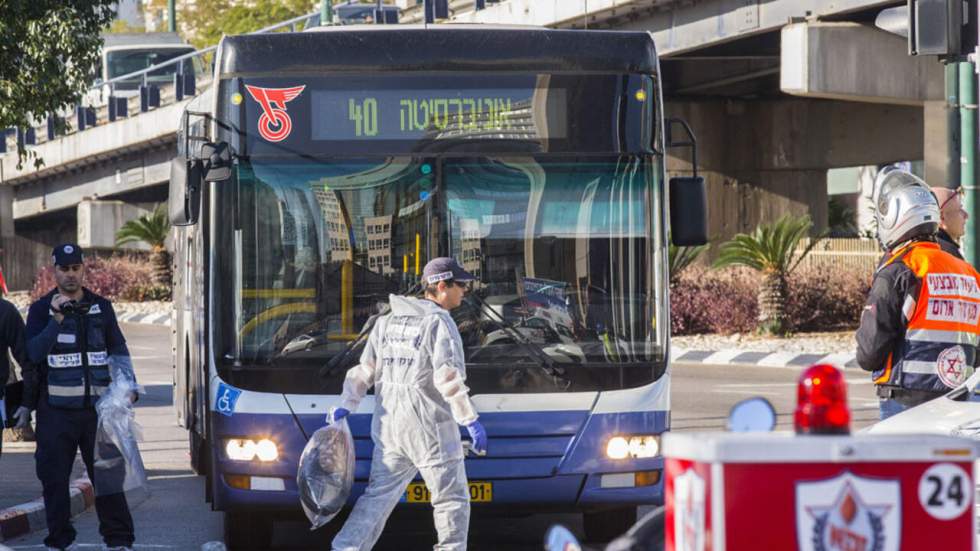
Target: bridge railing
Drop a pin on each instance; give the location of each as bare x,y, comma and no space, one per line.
134,93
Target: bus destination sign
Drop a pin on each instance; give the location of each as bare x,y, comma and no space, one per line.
413,114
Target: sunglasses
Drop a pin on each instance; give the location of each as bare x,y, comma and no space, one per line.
958,192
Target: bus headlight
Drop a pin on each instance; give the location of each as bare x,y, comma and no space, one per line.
635,447
242,449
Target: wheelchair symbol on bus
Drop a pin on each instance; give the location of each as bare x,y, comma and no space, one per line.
227,396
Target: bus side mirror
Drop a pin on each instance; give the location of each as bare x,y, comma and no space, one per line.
688,211
688,195
185,191
217,161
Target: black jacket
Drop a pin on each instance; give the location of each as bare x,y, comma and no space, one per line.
12,340
882,327
947,244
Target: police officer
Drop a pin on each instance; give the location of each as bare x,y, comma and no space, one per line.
919,330
71,333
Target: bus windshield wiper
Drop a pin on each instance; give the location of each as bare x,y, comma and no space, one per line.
338,360
545,361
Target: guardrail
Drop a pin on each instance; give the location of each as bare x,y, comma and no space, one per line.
105,102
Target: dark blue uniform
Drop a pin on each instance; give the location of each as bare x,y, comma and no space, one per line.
71,371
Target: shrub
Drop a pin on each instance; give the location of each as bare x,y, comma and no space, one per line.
109,277
826,298
714,301
818,299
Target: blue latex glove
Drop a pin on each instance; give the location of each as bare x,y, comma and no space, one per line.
336,414
478,435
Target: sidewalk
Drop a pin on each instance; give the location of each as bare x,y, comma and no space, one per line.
21,507
795,351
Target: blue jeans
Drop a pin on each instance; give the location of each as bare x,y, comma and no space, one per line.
889,407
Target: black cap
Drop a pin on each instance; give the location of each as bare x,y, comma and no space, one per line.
66,255
442,269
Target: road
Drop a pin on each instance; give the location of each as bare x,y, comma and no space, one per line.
175,517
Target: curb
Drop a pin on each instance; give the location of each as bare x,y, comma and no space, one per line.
734,356
25,518
149,319
28,517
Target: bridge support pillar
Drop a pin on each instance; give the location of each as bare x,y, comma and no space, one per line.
762,158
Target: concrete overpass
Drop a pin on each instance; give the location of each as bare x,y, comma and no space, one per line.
778,91
107,167
91,183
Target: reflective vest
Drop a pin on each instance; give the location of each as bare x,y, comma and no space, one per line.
942,333
78,363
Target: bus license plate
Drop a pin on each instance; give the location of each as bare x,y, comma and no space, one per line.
480,492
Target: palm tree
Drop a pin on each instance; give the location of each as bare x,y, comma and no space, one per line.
681,257
771,250
151,229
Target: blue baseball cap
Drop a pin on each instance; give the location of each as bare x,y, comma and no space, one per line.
66,255
442,269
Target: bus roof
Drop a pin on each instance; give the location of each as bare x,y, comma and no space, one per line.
381,48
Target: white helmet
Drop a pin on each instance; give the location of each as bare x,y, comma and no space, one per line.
904,208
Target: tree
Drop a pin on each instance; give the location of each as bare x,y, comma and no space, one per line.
204,22
770,250
47,51
151,229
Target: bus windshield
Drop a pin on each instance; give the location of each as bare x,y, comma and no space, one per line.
561,245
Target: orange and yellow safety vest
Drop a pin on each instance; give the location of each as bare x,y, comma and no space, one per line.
939,348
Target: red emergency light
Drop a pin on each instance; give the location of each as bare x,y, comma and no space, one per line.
821,402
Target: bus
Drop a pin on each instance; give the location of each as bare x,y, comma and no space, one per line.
325,168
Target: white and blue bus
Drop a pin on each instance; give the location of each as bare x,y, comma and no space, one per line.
325,168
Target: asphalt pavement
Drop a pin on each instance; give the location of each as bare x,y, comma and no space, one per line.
702,395
176,517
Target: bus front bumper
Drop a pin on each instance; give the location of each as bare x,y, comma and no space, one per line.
562,492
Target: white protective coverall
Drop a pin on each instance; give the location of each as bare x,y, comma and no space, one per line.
414,359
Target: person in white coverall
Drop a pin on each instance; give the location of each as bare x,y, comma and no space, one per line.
414,359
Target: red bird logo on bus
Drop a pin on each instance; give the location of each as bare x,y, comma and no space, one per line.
274,124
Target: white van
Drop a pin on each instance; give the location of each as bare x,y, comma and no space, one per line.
125,53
